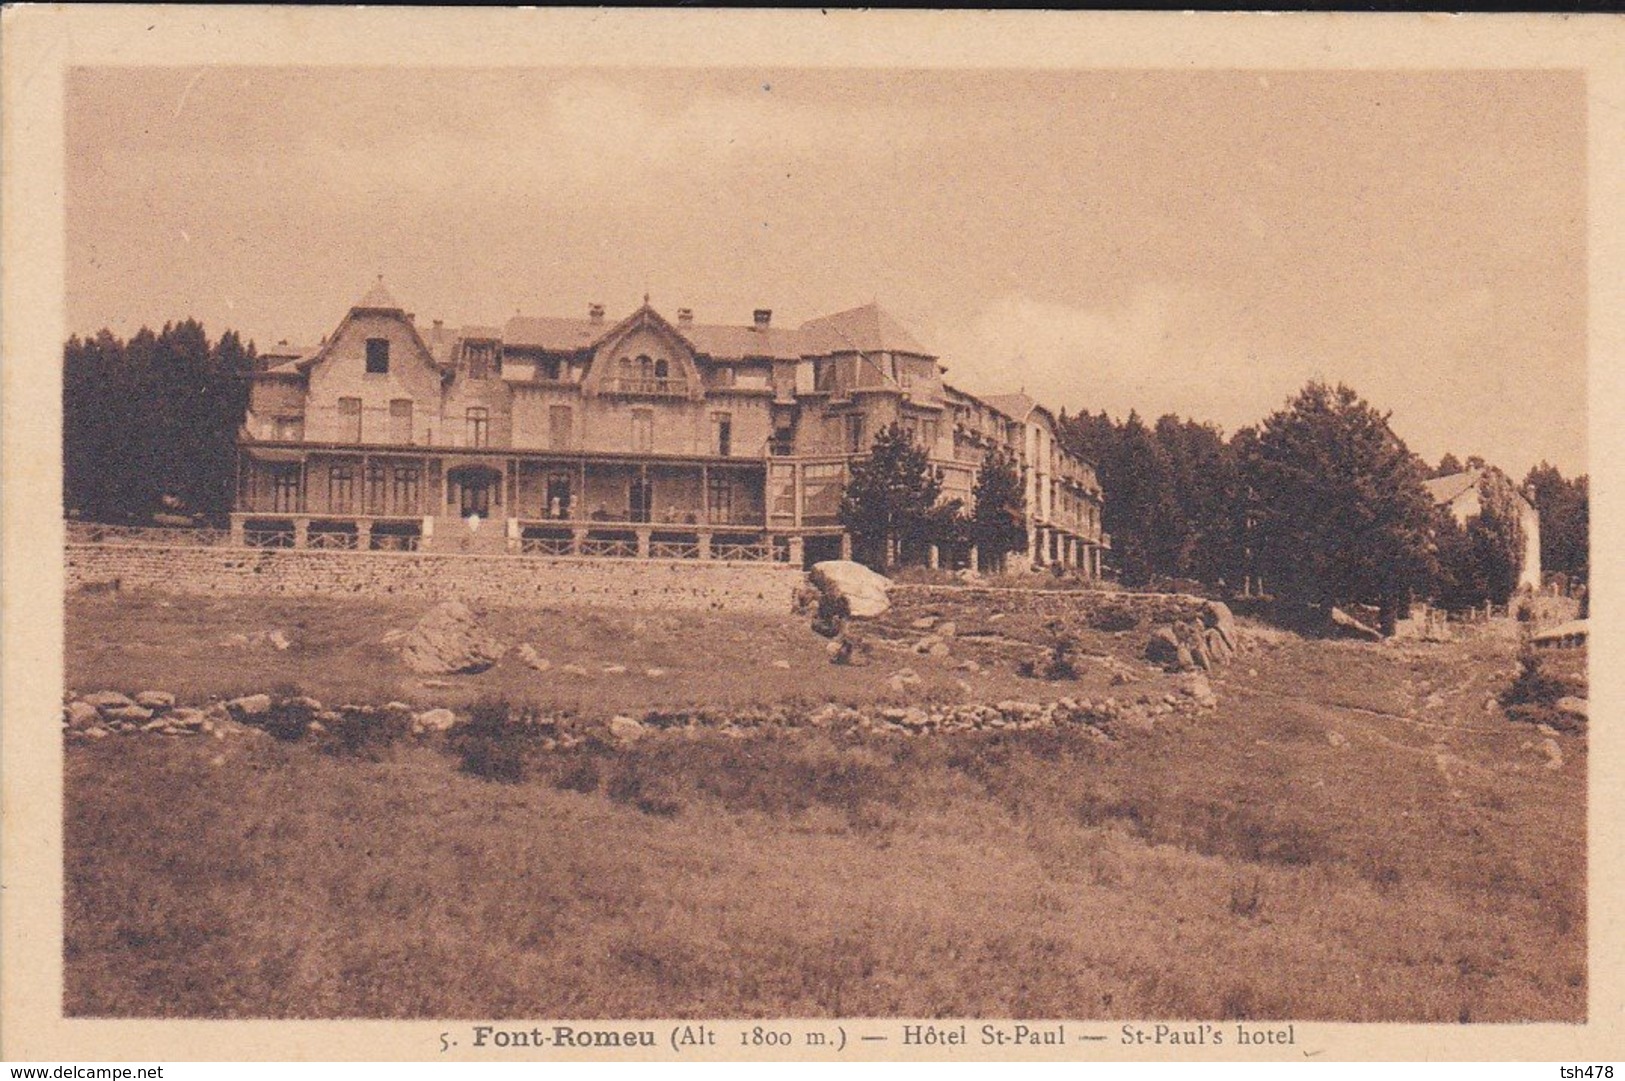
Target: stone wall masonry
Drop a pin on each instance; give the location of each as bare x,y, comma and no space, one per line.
505,579
1079,604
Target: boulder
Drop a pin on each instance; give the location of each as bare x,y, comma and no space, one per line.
852,652
448,640
108,700
278,640
1163,647
625,728
249,706
1196,687
947,629
1574,707
924,623
155,700
1347,624
434,720
1217,647
185,717
133,715
81,714
862,590
1217,615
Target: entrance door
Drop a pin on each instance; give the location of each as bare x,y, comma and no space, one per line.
474,497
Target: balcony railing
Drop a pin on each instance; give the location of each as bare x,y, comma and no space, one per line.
188,536
651,388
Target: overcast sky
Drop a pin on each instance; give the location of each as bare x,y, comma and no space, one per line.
1196,243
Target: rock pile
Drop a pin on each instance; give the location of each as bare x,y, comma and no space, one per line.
106,713
1201,644
448,640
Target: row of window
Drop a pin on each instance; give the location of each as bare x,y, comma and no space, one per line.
396,491
477,427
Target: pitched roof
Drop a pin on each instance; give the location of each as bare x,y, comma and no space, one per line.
1448,488
553,334
868,329
1015,406
738,342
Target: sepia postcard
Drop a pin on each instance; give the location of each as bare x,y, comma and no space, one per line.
835,536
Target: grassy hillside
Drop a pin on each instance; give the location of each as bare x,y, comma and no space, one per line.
1354,834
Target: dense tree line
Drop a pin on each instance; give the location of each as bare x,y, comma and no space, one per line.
1321,501
149,425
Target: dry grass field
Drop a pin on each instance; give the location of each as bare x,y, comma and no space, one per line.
1355,833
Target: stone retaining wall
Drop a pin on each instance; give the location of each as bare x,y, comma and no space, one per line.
506,579
1084,604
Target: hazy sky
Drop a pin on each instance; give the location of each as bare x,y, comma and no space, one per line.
1197,243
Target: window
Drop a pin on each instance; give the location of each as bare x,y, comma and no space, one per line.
290,429
400,421
377,492
558,426
854,434
662,369
479,426
643,430
341,489
285,490
377,356
722,433
481,359
783,440
349,420
719,498
404,498
928,434
725,375
640,497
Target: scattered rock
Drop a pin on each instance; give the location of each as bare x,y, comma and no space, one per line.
80,714
278,640
1574,707
1196,687
108,700
655,673
1336,739
924,623
155,700
852,652
131,715
572,669
449,640
902,680
434,720
1554,753
248,706
626,729
613,669
947,629
862,590
527,655
185,717
781,663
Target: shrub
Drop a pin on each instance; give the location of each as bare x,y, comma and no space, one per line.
365,733
1533,695
490,745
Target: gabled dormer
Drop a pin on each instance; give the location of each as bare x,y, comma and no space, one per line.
374,380
644,356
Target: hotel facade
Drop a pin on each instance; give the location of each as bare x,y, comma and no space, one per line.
639,437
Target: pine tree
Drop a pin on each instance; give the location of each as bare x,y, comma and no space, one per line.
999,520
889,497
1343,514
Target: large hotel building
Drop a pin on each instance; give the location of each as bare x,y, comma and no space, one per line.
641,437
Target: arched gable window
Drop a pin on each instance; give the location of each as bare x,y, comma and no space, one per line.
662,370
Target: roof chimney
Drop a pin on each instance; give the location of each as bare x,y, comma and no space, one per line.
595,312
764,316
685,317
